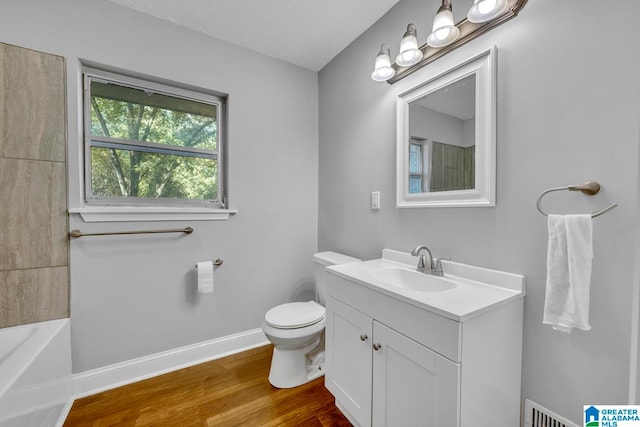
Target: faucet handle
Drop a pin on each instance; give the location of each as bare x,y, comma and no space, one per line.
437,271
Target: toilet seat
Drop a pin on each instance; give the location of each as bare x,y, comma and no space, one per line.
295,315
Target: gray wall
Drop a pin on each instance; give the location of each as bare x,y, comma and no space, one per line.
567,111
434,126
135,296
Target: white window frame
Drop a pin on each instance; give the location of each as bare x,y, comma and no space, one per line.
140,209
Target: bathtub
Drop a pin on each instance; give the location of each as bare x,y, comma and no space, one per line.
35,374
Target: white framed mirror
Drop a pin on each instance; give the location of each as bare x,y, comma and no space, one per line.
446,137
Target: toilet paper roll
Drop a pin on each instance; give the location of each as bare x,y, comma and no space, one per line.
205,277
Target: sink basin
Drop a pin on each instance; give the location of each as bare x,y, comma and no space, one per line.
411,280
462,293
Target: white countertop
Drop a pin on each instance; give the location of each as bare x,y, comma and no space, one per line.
477,289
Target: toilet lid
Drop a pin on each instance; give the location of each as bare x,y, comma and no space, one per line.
295,315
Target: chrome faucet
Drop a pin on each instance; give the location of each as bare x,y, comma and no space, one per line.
423,266
438,271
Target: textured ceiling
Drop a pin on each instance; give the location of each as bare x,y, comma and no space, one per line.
308,33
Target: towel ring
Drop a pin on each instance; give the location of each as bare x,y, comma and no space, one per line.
589,187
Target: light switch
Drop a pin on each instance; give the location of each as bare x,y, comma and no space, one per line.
375,200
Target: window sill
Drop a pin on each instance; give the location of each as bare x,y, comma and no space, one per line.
150,213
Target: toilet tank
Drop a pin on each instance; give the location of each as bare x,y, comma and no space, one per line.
322,260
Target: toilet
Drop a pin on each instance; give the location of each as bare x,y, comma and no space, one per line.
296,330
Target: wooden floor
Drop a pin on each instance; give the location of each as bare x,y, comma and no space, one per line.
232,391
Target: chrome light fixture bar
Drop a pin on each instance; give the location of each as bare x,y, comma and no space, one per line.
483,16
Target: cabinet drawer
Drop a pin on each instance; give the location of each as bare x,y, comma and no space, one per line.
440,334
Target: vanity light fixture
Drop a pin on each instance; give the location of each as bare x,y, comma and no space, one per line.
383,70
445,36
486,10
444,30
409,54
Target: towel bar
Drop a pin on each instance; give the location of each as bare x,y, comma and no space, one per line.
589,187
78,233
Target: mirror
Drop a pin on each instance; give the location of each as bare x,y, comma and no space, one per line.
446,137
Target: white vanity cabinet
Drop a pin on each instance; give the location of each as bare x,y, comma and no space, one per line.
390,362
349,363
383,378
412,385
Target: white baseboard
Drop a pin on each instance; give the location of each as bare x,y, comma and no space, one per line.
64,413
119,374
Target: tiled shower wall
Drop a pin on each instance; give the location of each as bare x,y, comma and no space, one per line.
34,259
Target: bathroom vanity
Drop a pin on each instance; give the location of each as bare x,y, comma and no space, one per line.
404,348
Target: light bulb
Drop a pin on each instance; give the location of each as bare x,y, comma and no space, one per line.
485,7
409,54
486,10
444,31
383,69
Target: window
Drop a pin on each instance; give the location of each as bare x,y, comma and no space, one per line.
415,167
151,144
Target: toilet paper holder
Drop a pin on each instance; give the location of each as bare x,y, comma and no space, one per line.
218,262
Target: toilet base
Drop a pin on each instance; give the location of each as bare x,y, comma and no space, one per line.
292,368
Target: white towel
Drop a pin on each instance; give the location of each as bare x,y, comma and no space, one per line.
569,257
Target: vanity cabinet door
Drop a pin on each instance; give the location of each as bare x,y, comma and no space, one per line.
348,359
412,385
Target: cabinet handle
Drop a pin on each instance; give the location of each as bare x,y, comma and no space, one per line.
377,346
363,337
